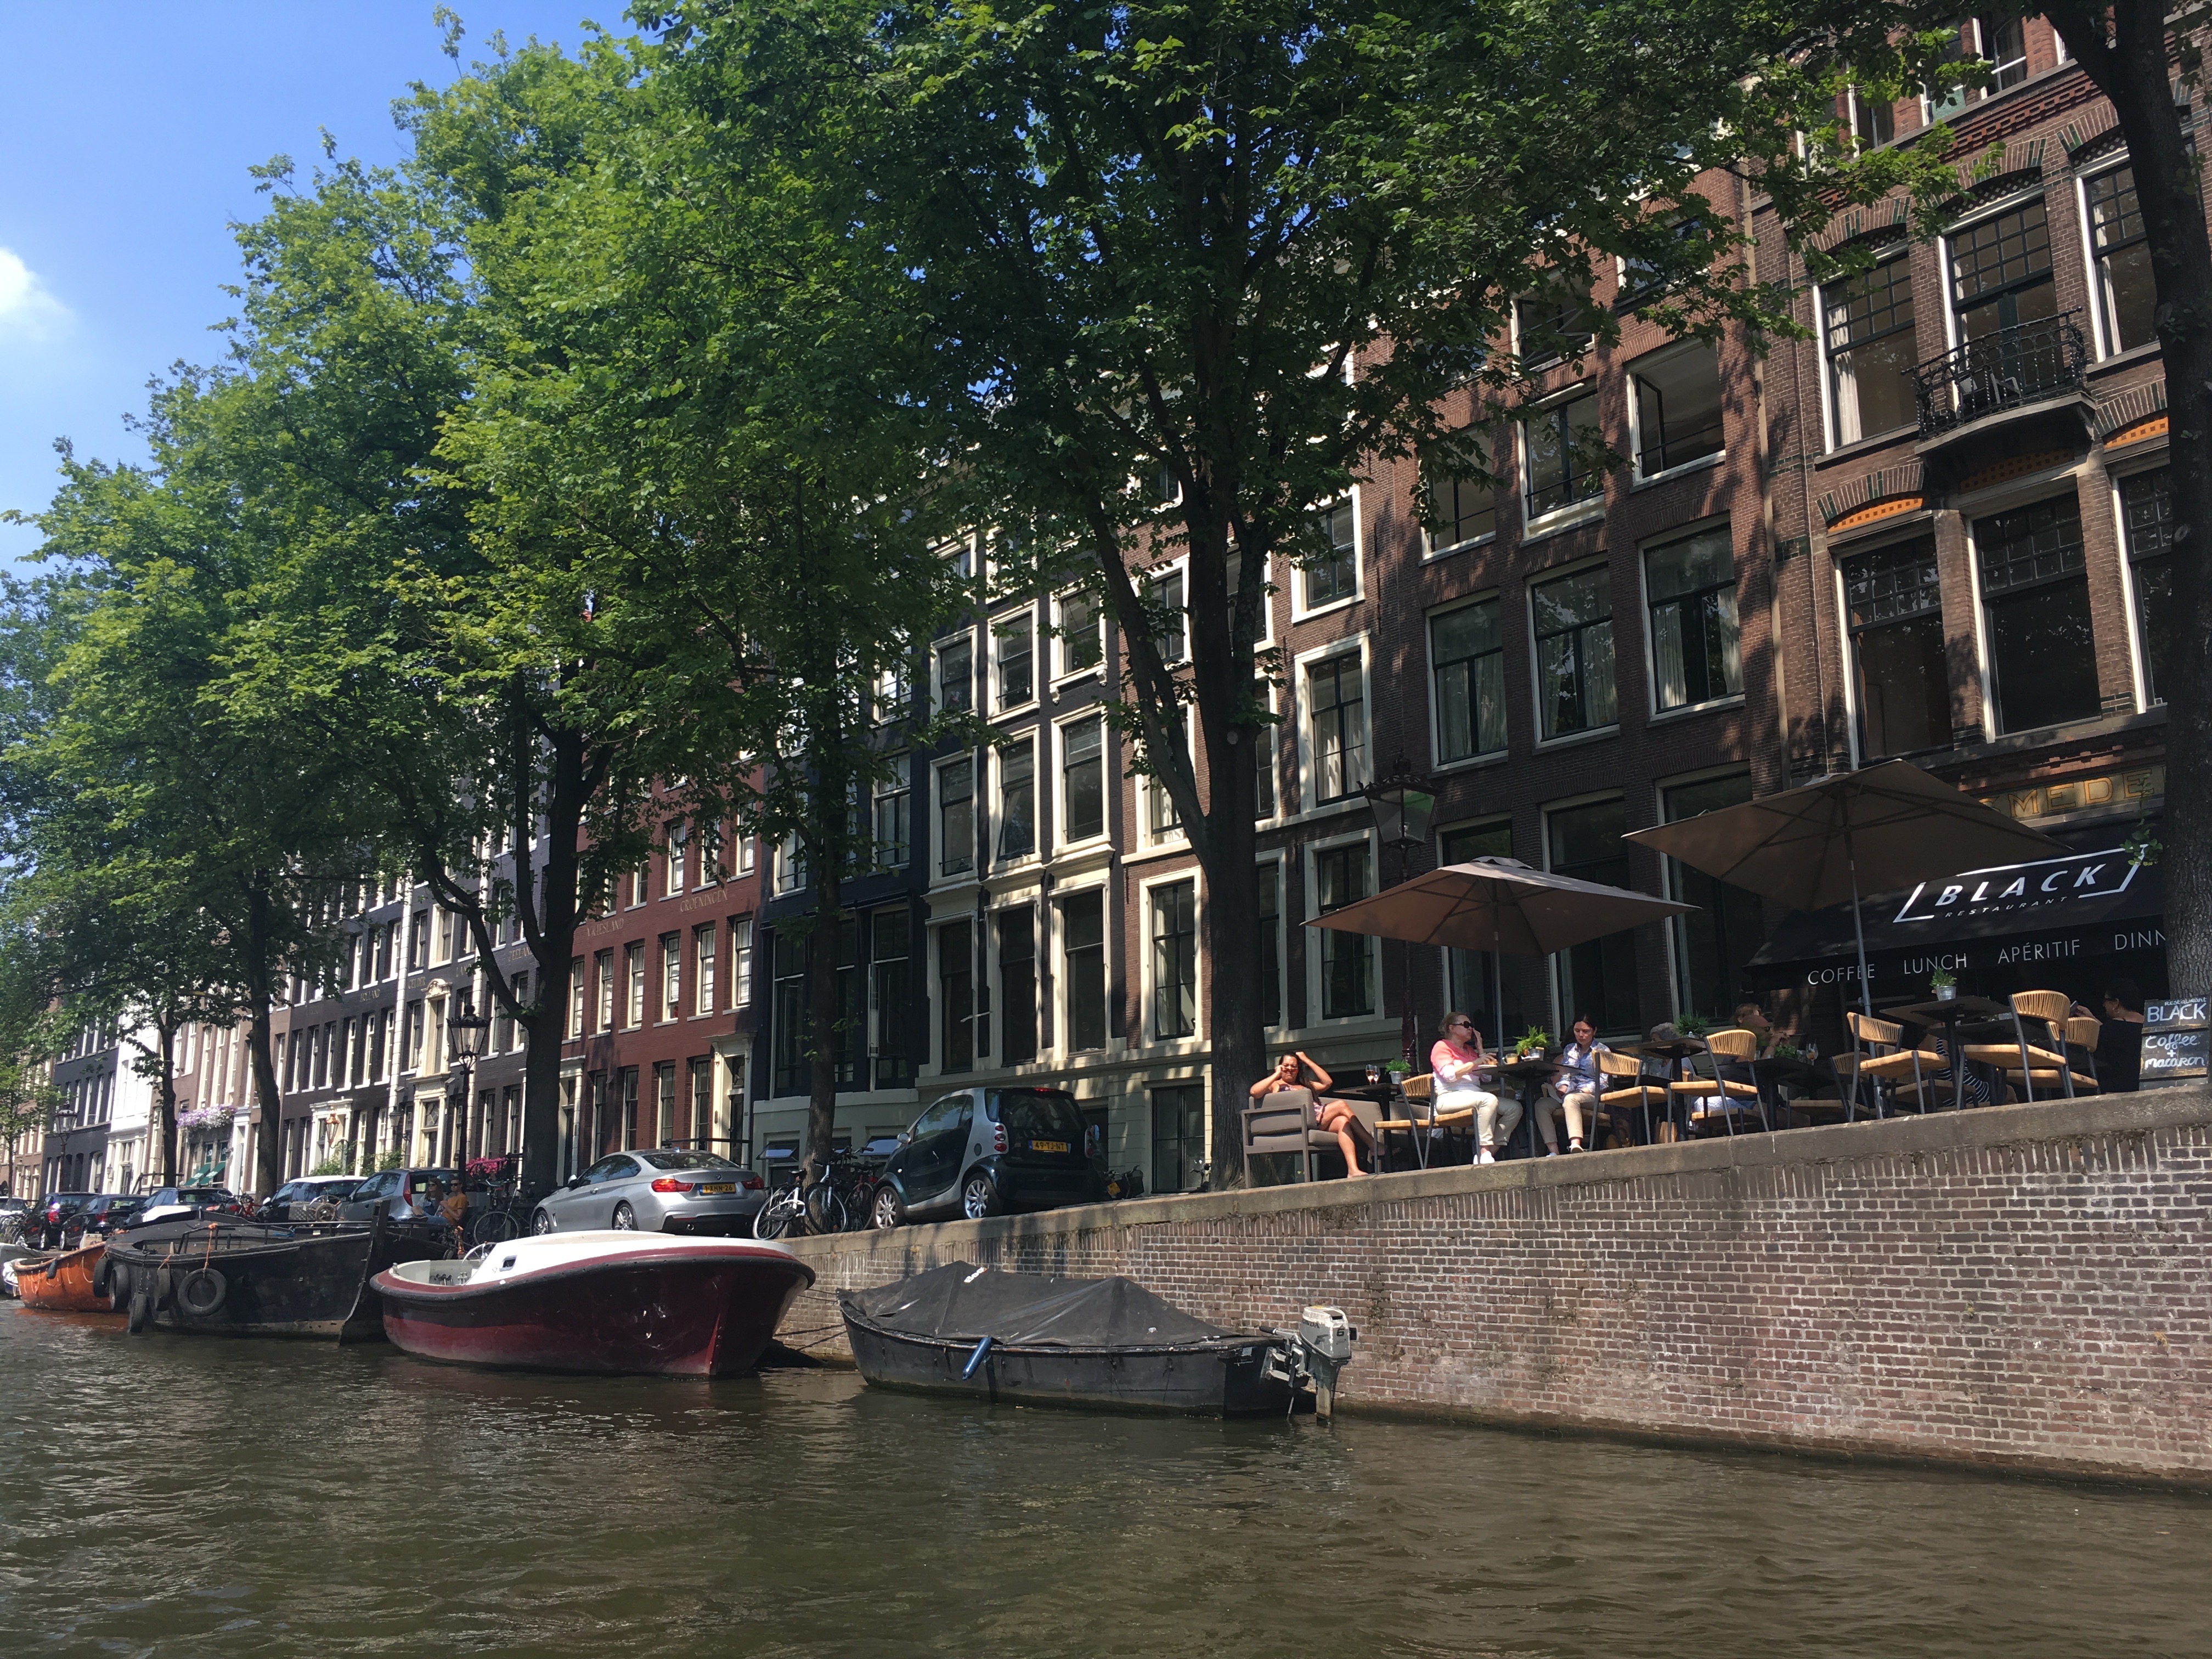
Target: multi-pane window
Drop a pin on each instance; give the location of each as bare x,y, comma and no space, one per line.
956,817
1082,636
1018,800
634,983
2127,310
578,990
2035,597
1874,118
1467,656
702,972
1555,321
629,1105
1012,640
1566,449
1678,407
664,1100
1162,820
1082,780
1271,943
1175,959
2002,43
890,933
1460,512
1178,1136
1573,622
1715,940
1347,959
1017,1020
1333,574
955,997
787,1012
671,977
1264,757
956,675
893,691
1083,963
2146,514
1694,653
1474,988
741,964
1163,597
603,971
1596,978
790,864
1866,332
2001,272
703,1102
1336,703
894,814
672,851
1899,674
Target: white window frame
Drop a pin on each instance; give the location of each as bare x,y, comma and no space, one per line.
1032,735
1312,852
1272,737
1432,551
1636,478
1537,525
1496,757
2115,477
1108,779
937,874
1535,580
741,961
1148,788
1309,778
1110,943
1177,568
1644,549
1300,611
937,703
1147,981
1061,673
1028,620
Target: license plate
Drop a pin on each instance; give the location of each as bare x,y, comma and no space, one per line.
1048,1145
720,1186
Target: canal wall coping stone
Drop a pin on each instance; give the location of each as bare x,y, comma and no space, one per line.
2026,1286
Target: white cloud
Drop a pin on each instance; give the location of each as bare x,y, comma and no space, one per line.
26,310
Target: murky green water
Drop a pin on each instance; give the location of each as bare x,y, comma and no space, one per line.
172,1495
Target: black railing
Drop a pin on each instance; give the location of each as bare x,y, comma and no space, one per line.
2022,364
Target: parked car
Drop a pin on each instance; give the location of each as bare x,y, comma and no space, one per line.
981,1151
306,1189
188,1204
664,1190
401,1193
55,1213
108,1214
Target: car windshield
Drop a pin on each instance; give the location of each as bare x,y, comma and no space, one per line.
687,1161
1035,1112
201,1195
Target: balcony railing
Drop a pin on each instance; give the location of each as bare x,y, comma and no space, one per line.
2022,364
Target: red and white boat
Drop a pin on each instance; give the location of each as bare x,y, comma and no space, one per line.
609,1302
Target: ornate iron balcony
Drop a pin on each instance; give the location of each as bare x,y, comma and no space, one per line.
2023,364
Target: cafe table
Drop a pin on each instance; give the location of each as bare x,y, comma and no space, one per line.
1672,1052
1385,1095
1528,1077
1952,1013
1777,1071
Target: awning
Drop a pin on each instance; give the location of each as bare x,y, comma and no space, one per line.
2092,902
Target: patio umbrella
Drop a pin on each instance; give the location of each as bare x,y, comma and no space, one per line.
1886,826
1501,906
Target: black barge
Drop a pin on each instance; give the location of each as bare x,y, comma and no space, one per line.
232,1277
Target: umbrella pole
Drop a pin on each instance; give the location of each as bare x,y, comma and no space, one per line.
1498,990
1858,932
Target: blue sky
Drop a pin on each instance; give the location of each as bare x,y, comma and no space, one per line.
129,130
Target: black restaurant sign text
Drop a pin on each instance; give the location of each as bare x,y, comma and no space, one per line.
2175,1040
2007,888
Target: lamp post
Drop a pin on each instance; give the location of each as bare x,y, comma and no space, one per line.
1404,802
465,1034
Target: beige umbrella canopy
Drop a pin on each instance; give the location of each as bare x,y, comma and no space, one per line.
1828,841
1501,906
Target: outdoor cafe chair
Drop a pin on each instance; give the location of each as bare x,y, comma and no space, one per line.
2037,1054
2083,1032
1885,1062
1284,1123
1410,1119
1731,1090
1636,1090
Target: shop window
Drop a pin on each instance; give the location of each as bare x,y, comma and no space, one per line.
1175,959
1467,656
1472,989
2035,596
1083,921
1899,677
1866,332
1714,941
1018,1038
1565,449
1082,780
1347,959
1572,616
1337,708
2147,514
1597,977
1178,1136
2127,296
1692,587
955,997
1678,408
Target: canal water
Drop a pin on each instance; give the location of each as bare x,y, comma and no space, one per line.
177,1496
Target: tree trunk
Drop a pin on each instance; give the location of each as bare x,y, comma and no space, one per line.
822,1012
269,1100
165,1116
549,912
2133,68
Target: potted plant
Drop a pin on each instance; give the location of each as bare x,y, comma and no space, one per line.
1535,1041
1944,983
1692,1025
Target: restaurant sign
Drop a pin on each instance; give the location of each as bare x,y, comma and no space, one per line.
2174,1038
2005,888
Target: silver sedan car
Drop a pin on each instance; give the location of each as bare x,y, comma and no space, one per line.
656,1191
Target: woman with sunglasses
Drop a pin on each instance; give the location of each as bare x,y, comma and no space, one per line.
1331,1117
1456,1067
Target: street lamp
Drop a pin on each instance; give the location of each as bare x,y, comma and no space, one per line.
1404,802
464,1034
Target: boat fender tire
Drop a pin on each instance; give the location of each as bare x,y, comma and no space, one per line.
141,1311
164,1282
103,1276
120,1284
202,1293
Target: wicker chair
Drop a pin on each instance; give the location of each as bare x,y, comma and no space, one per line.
1731,1090
1635,1089
2037,1054
1885,1062
1411,1121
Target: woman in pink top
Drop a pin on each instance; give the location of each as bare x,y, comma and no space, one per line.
1456,1067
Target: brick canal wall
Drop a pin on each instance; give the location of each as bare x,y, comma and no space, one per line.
2020,1286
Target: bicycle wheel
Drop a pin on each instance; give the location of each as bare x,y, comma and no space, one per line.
772,1218
494,1227
825,1209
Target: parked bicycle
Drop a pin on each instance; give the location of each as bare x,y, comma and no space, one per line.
836,1203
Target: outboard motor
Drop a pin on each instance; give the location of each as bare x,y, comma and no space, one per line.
1320,1348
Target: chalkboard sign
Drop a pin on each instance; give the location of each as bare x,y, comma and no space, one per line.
2176,1043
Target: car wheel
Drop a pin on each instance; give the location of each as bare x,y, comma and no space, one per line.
886,1212
979,1196
540,1222
625,1217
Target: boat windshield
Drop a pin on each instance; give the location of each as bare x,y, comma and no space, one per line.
686,1161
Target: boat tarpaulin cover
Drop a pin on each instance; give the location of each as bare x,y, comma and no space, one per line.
961,1303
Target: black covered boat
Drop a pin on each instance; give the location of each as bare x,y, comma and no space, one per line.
234,1277
1035,1341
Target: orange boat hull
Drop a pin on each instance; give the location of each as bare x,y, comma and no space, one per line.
64,1285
